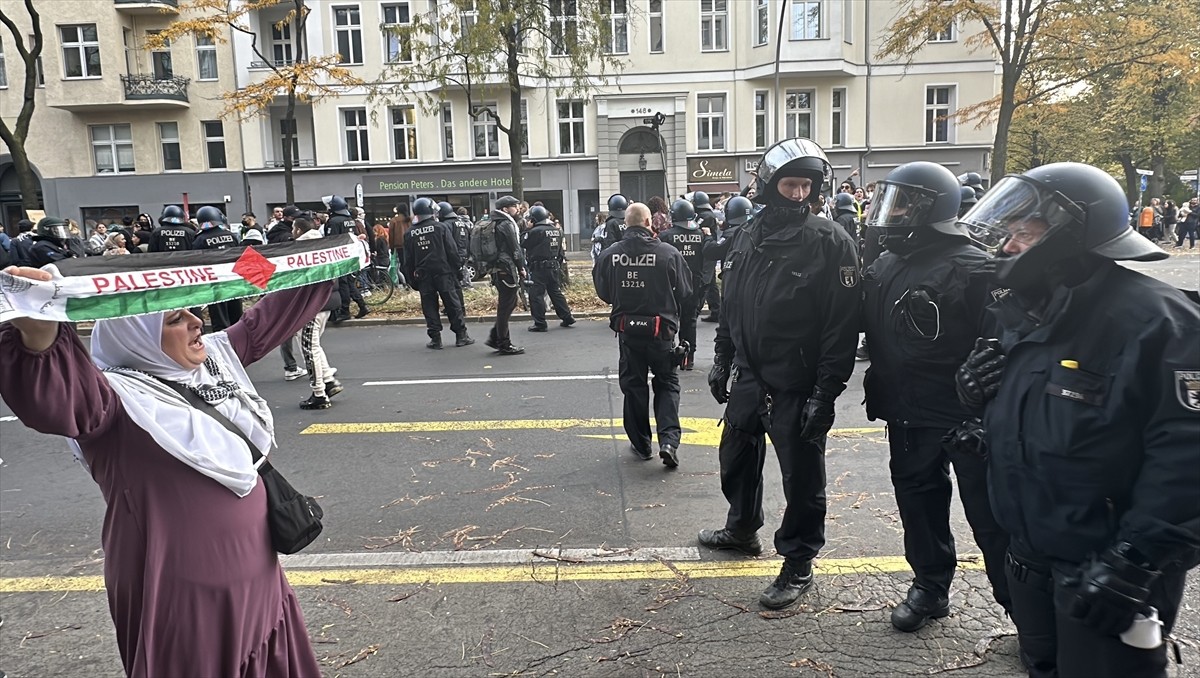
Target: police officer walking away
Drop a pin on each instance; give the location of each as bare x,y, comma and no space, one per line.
1092,424
508,271
614,225
685,236
789,324
920,325
646,281
173,233
738,211
431,265
214,236
543,245
450,220
708,293
340,223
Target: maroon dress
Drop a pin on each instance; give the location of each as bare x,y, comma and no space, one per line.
194,587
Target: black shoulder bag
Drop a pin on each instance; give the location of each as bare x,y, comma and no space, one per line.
294,519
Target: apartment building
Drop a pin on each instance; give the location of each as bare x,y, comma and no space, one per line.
706,69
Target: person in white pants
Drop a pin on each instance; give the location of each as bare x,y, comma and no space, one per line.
320,375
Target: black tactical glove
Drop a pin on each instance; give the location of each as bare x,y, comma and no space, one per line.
718,380
978,379
817,416
1110,589
967,439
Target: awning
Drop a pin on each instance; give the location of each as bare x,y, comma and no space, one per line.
716,187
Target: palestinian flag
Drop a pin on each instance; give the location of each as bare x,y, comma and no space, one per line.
95,288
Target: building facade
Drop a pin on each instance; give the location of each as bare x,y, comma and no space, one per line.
701,94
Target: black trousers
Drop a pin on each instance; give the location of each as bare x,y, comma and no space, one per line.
1053,645
506,287
656,355
689,308
921,476
349,291
444,285
546,282
713,296
749,416
222,316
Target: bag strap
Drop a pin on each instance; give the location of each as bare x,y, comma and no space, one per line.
199,403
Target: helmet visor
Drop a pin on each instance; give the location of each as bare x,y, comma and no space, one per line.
1019,209
786,151
900,206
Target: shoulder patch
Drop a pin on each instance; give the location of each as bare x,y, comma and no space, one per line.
849,276
1187,389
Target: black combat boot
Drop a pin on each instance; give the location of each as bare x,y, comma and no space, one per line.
725,539
435,341
919,607
462,339
794,579
669,457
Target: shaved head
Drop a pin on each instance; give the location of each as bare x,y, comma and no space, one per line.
637,214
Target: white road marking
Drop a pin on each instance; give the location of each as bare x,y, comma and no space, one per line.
8,418
492,380
488,557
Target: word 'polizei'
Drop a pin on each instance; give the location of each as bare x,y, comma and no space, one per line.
623,259
316,258
149,280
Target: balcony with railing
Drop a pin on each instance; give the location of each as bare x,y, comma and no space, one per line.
139,88
147,6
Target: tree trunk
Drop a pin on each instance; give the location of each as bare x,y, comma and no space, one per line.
1003,123
289,117
1132,179
26,179
516,126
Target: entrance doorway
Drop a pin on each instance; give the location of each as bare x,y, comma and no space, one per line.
641,186
641,165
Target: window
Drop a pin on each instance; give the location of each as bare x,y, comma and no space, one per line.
347,29
710,122
41,74
762,99
524,128
798,114
806,20
168,138
564,27
214,143
130,51
937,114
616,12
468,13
848,22
944,34
837,118
3,74
714,21
570,127
404,133
354,127
206,58
396,48
112,148
656,26
81,51
160,59
448,130
762,22
281,44
487,135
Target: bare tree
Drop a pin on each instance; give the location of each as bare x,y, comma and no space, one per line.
16,135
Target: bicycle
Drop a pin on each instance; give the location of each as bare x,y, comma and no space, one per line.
376,285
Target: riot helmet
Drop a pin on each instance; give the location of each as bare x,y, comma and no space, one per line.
617,204
423,208
539,215
701,201
337,205
845,202
683,213
1037,220
172,214
210,215
915,197
967,199
446,211
972,179
738,210
52,228
791,158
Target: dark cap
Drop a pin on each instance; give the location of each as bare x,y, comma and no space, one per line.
291,212
506,201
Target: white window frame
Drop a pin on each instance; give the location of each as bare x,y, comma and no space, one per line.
705,120
651,18
563,26
350,30
407,128
81,46
571,129
762,117
837,117
932,109
762,15
490,130
468,12
113,144
206,46
163,140
361,129
447,120
295,125
710,20
524,128
947,34
209,140
805,7
618,24
3,63
792,115
280,42
393,43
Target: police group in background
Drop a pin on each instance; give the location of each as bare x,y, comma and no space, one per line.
496,244
967,199
173,233
685,235
614,226
431,266
340,223
708,293
647,283
214,236
546,256
787,334
973,181
922,315
1092,389
738,211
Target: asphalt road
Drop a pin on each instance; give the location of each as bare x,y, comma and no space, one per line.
485,518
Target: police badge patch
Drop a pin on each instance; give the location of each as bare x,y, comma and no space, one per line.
849,276
1187,389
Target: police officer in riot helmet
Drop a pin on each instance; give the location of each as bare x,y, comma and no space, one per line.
788,328
173,233
1091,390
921,318
709,226
973,181
646,281
614,225
450,220
845,212
546,256
738,211
49,242
685,235
967,199
340,223
214,235
431,265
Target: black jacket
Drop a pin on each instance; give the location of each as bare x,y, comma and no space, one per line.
691,244
460,229
171,238
508,242
1106,451
215,238
911,378
716,249
47,251
429,250
848,221
339,224
707,218
280,232
790,306
642,276
614,230
543,243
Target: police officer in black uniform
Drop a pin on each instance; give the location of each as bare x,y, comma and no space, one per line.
738,211
173,233
340,223
431,265
450,220
614,225
462,237
789,325
845,212
646,281
508,271
973,181
214,236
967,200
543,245
50,242
685,235
921,322
1092,426
709,225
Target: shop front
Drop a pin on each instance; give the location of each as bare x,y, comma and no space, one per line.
713,174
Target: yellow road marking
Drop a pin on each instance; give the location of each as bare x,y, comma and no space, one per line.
517,574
